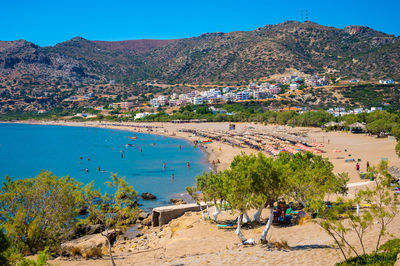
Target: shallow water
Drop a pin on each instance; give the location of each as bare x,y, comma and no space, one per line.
26,150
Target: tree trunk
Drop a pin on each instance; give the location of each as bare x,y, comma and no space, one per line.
237,231
208,212
109,250
217,211
257,215
267,226
246,218
202,212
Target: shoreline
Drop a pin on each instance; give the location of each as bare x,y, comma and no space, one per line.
219,154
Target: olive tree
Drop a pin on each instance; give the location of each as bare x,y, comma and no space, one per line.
212,187
382,208
113,212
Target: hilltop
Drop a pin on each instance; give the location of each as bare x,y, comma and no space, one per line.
357,51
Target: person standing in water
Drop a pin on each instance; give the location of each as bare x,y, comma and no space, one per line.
87,170
188,164
163,164
98,168
180,147
172,177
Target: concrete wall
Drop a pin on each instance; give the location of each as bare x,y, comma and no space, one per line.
162,215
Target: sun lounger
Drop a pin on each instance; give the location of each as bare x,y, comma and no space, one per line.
227,225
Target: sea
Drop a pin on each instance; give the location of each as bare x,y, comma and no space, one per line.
27,150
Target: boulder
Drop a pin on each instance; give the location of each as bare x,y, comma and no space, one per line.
177,201
147,221
89,246
143,215
148,196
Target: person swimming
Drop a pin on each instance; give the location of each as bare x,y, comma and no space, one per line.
87,170
98,168
81,158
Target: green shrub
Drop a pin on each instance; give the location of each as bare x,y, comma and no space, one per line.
370,259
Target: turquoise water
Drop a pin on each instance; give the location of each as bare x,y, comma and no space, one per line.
26,150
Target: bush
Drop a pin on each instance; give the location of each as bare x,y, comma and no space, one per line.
380,259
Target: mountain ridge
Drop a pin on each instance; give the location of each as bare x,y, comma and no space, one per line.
357,51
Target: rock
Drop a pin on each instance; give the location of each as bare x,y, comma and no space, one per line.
178,201
89,246
397,263
148,196
147,221
143,215
83,211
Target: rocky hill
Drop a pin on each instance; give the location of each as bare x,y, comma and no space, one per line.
355,51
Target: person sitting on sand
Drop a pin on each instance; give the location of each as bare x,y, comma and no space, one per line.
280,213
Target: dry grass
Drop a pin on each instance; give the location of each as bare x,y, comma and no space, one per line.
75,251
93,253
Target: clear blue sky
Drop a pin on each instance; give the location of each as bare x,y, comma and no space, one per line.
47,22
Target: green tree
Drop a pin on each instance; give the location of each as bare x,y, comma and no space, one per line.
114,213
382,209
212,187
40,211
4,245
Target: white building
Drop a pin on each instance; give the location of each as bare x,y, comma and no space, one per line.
141,115
242,95
226,90
162,100
294,86
197,100
386,81
154,102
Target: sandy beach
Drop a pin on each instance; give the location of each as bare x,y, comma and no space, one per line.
190,240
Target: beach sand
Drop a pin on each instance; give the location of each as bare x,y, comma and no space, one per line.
189,240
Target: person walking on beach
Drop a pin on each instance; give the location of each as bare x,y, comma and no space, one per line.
357,167
367,165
